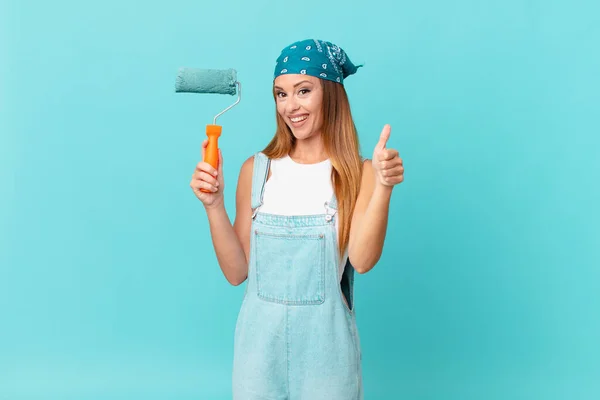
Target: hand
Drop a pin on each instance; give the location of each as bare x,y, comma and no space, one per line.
388,167
206,177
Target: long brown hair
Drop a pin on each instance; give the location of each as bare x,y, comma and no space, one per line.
341,143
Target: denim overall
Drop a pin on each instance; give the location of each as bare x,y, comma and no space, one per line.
295,336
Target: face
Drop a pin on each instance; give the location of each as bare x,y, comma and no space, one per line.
299,99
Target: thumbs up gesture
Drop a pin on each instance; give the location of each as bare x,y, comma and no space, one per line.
387,164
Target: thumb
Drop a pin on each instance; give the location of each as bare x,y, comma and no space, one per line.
383,138
203,151
220,167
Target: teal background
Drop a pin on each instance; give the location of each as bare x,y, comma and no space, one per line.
488,287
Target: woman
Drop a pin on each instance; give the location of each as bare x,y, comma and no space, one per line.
310,211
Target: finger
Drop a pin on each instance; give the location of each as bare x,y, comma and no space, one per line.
393,180
220,176
393,172
387,164
204,144
388,154
383,138
197,185
204,176
206,167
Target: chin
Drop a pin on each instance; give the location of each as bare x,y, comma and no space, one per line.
302,134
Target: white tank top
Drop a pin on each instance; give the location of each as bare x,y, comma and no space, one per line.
299,189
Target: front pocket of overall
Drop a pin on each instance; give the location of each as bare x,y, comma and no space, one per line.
290,268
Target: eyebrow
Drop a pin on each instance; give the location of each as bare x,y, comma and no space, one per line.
297,84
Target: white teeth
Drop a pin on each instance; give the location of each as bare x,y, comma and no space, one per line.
298,119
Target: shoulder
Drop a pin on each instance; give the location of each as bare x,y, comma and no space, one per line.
248,165
368,176
244,189
367,163
245,178
247,170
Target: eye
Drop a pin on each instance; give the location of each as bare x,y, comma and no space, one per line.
304,91
280,94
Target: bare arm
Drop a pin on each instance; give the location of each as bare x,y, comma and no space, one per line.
369,221
232,242
370,217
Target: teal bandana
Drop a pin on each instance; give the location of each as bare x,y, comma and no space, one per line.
317,58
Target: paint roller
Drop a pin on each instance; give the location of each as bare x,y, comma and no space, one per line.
214,81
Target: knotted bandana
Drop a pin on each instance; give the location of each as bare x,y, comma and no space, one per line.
317,58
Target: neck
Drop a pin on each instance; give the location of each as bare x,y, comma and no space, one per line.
309,151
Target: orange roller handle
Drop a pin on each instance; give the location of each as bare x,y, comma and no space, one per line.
211,154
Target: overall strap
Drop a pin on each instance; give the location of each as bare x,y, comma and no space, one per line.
332,203
259,177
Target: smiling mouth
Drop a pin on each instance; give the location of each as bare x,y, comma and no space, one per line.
299,119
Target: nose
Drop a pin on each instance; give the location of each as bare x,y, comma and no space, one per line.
292,104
